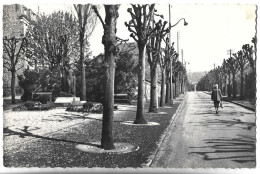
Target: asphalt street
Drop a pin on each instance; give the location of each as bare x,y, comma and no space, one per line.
200,138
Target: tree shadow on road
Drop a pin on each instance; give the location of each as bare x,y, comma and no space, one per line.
218,123
240,149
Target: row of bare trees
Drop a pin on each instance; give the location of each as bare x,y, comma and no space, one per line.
239,68
148,35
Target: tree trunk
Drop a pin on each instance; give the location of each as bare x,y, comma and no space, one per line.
109,41
242,84
221,85
108,110
153,93
167,96
175,94
229,85
225,85
82,64
13,87
140,119
234,85
254,81
162,100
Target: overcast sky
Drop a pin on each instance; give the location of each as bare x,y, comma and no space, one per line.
212,29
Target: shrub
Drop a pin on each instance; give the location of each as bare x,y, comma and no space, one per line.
27,81
74,108
43,98
87,106
20,108
29,104
97,108
47,106
56,91
32,80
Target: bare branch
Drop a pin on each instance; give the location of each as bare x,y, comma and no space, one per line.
19,68
94,7
133,36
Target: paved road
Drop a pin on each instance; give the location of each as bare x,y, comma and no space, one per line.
200,138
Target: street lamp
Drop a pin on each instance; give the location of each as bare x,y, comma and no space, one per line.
170,26
185,22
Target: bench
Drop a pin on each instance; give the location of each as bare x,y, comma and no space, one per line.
37,94
121,98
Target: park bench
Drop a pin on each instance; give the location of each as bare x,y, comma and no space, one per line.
37,94
121,98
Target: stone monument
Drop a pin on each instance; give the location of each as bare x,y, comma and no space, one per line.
69,81
68,87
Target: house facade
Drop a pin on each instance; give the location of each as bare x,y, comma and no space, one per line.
16,19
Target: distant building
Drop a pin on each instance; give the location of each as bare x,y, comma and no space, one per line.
16,19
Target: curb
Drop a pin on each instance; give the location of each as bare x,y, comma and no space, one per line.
239,104
151,158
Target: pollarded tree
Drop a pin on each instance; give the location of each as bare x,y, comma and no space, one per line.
109,40
217,76
242,62
233,67
254,41
153,52
170,54
140,31
86,24
229,86
248,53
13,53
177,68
164,62
224,75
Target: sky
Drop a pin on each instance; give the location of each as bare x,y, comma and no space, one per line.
212,29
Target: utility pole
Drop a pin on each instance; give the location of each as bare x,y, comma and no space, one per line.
182,71
171,89
229,52
178,37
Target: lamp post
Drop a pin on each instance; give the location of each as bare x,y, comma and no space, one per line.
185,23
182,71
171,91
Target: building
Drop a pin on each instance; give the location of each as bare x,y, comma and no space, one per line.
16,19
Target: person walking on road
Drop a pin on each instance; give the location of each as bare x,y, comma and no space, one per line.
216,96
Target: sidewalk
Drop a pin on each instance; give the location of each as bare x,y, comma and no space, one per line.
244,103
50,140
